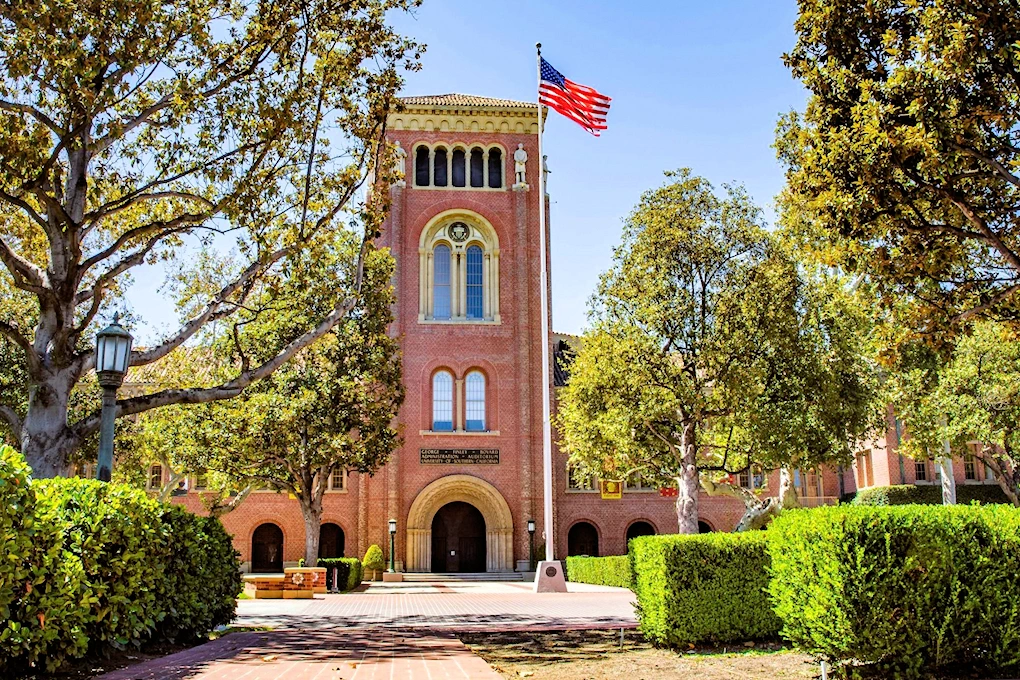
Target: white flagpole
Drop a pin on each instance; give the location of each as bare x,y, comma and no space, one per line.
547,487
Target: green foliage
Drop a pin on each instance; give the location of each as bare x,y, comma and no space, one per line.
710,350
604,571
92,566
971,394
905,162
703,588
904,590
911,494
374,558
348,572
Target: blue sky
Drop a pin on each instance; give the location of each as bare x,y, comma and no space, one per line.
695,84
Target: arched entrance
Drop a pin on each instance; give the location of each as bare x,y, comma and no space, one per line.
458,539
704,527
331,540
640,528
267,549
484,498
583,539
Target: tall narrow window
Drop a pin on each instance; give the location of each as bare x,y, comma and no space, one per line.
458,168
421,166
155,476
475,308
921,471
441,289
477,168
495,168
442,402
439,168
475,401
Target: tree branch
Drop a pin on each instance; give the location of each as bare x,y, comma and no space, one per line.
10,416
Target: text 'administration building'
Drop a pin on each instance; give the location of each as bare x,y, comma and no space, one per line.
463,228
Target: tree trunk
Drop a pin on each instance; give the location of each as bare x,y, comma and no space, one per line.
312,514
758,512
688,484
46,441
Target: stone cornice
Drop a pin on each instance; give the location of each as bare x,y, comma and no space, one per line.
465,119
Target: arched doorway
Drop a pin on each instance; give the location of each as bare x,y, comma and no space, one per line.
458,539
484,497
640,528
583,539
267,549
331,541
704,527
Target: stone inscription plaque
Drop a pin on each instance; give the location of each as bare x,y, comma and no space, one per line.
460,456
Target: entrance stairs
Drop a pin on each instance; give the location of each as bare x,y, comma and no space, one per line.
485,576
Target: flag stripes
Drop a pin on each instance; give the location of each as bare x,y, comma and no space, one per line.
582,104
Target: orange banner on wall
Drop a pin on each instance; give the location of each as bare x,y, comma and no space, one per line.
611,489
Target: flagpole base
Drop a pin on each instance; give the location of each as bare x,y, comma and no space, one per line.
549,577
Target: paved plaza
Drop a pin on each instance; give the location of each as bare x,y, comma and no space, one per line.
385,630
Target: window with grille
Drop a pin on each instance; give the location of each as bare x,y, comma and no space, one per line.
441,289
744,479
475,305
578,481
442,402
921,470
155,476
474,401
338,480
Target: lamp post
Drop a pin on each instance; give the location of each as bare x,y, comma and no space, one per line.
393,534
531,544
113,349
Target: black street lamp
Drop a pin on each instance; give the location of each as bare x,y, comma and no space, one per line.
113,349
531,544
393,533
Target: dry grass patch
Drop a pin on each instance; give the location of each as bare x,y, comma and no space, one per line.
598,654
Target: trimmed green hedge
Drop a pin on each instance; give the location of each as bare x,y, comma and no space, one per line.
349,572
928,494
603,571
703,588
906,591
104,566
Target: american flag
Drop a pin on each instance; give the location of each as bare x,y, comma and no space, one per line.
581,104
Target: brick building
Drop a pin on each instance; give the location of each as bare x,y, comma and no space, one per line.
465,483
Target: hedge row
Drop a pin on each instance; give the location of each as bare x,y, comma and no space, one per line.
603,571
908,591
911,494
85,566
345,571
703,588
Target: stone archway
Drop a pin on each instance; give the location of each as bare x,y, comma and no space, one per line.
499,523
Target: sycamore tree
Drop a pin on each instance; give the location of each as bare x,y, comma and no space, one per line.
710,352
908,154
332,408
131,131
971,396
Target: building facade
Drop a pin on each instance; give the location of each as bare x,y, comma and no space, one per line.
463,228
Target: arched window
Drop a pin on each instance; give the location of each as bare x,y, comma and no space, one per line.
421,166
442,402
583,539
639,528
475,297
477,167
474,401
441,288
439,167
458,168
495,168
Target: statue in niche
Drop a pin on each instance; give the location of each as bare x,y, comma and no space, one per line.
520,164
399,164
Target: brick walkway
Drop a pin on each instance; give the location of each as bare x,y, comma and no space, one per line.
319,654
449,606
388,631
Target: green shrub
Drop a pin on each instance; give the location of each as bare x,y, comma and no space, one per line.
703,588
374,560
911,494
87,566
603,571
347,575
904,590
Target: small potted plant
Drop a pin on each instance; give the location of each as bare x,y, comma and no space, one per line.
374,561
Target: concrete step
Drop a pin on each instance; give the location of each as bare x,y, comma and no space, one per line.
491,576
